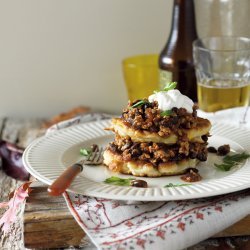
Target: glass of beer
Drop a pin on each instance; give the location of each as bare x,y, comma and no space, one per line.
222,66
141,75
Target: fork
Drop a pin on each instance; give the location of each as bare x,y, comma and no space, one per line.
60,185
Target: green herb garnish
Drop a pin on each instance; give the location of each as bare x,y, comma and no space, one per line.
166,113
176,185
85,152
170,85
139,103
230,161
224,167
236,157
119,181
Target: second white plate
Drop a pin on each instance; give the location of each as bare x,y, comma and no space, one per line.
47,157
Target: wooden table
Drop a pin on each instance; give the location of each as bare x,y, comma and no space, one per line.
46,222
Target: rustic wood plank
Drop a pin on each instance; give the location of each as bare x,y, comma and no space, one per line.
1,128
240,228
49,225
22,131
44,208
10,130
52,214
1,124
29,133
2,119
53,237
14,238
229,243
8,184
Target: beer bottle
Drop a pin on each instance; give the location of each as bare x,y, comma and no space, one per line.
176,60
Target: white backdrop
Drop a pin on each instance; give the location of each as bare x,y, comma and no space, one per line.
58,54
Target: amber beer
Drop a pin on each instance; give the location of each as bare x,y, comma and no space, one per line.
223,94
176,60
223,72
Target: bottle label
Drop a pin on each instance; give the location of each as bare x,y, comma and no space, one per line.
164,77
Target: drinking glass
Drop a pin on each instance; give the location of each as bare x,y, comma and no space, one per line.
222,67
141,75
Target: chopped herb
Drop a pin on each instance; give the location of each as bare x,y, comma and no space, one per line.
85,152
170,85
139,103
230,161
119,181
166,113
224,167
176,185
236,157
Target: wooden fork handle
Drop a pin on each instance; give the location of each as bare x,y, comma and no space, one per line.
64,180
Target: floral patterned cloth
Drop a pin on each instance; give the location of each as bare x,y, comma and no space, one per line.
113,224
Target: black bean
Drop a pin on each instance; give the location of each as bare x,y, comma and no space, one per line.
192,155
135,152
139,183
175,110
178,157
204,138
212,150
175,120
153,129
223,150
202,156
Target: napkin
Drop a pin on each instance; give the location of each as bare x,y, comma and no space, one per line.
239,117
113,224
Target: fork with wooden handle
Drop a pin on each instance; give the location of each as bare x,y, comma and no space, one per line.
60,185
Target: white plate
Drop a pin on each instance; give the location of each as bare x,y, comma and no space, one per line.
48,156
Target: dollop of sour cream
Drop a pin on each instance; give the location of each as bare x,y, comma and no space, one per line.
170,99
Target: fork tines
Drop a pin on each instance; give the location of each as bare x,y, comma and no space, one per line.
96,157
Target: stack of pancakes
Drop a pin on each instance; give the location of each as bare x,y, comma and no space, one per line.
149,142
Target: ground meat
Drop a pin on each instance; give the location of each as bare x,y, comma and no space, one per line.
164,131
157,153
147,116
184,147
192,175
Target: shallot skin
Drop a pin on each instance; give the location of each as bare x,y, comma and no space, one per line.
12,164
